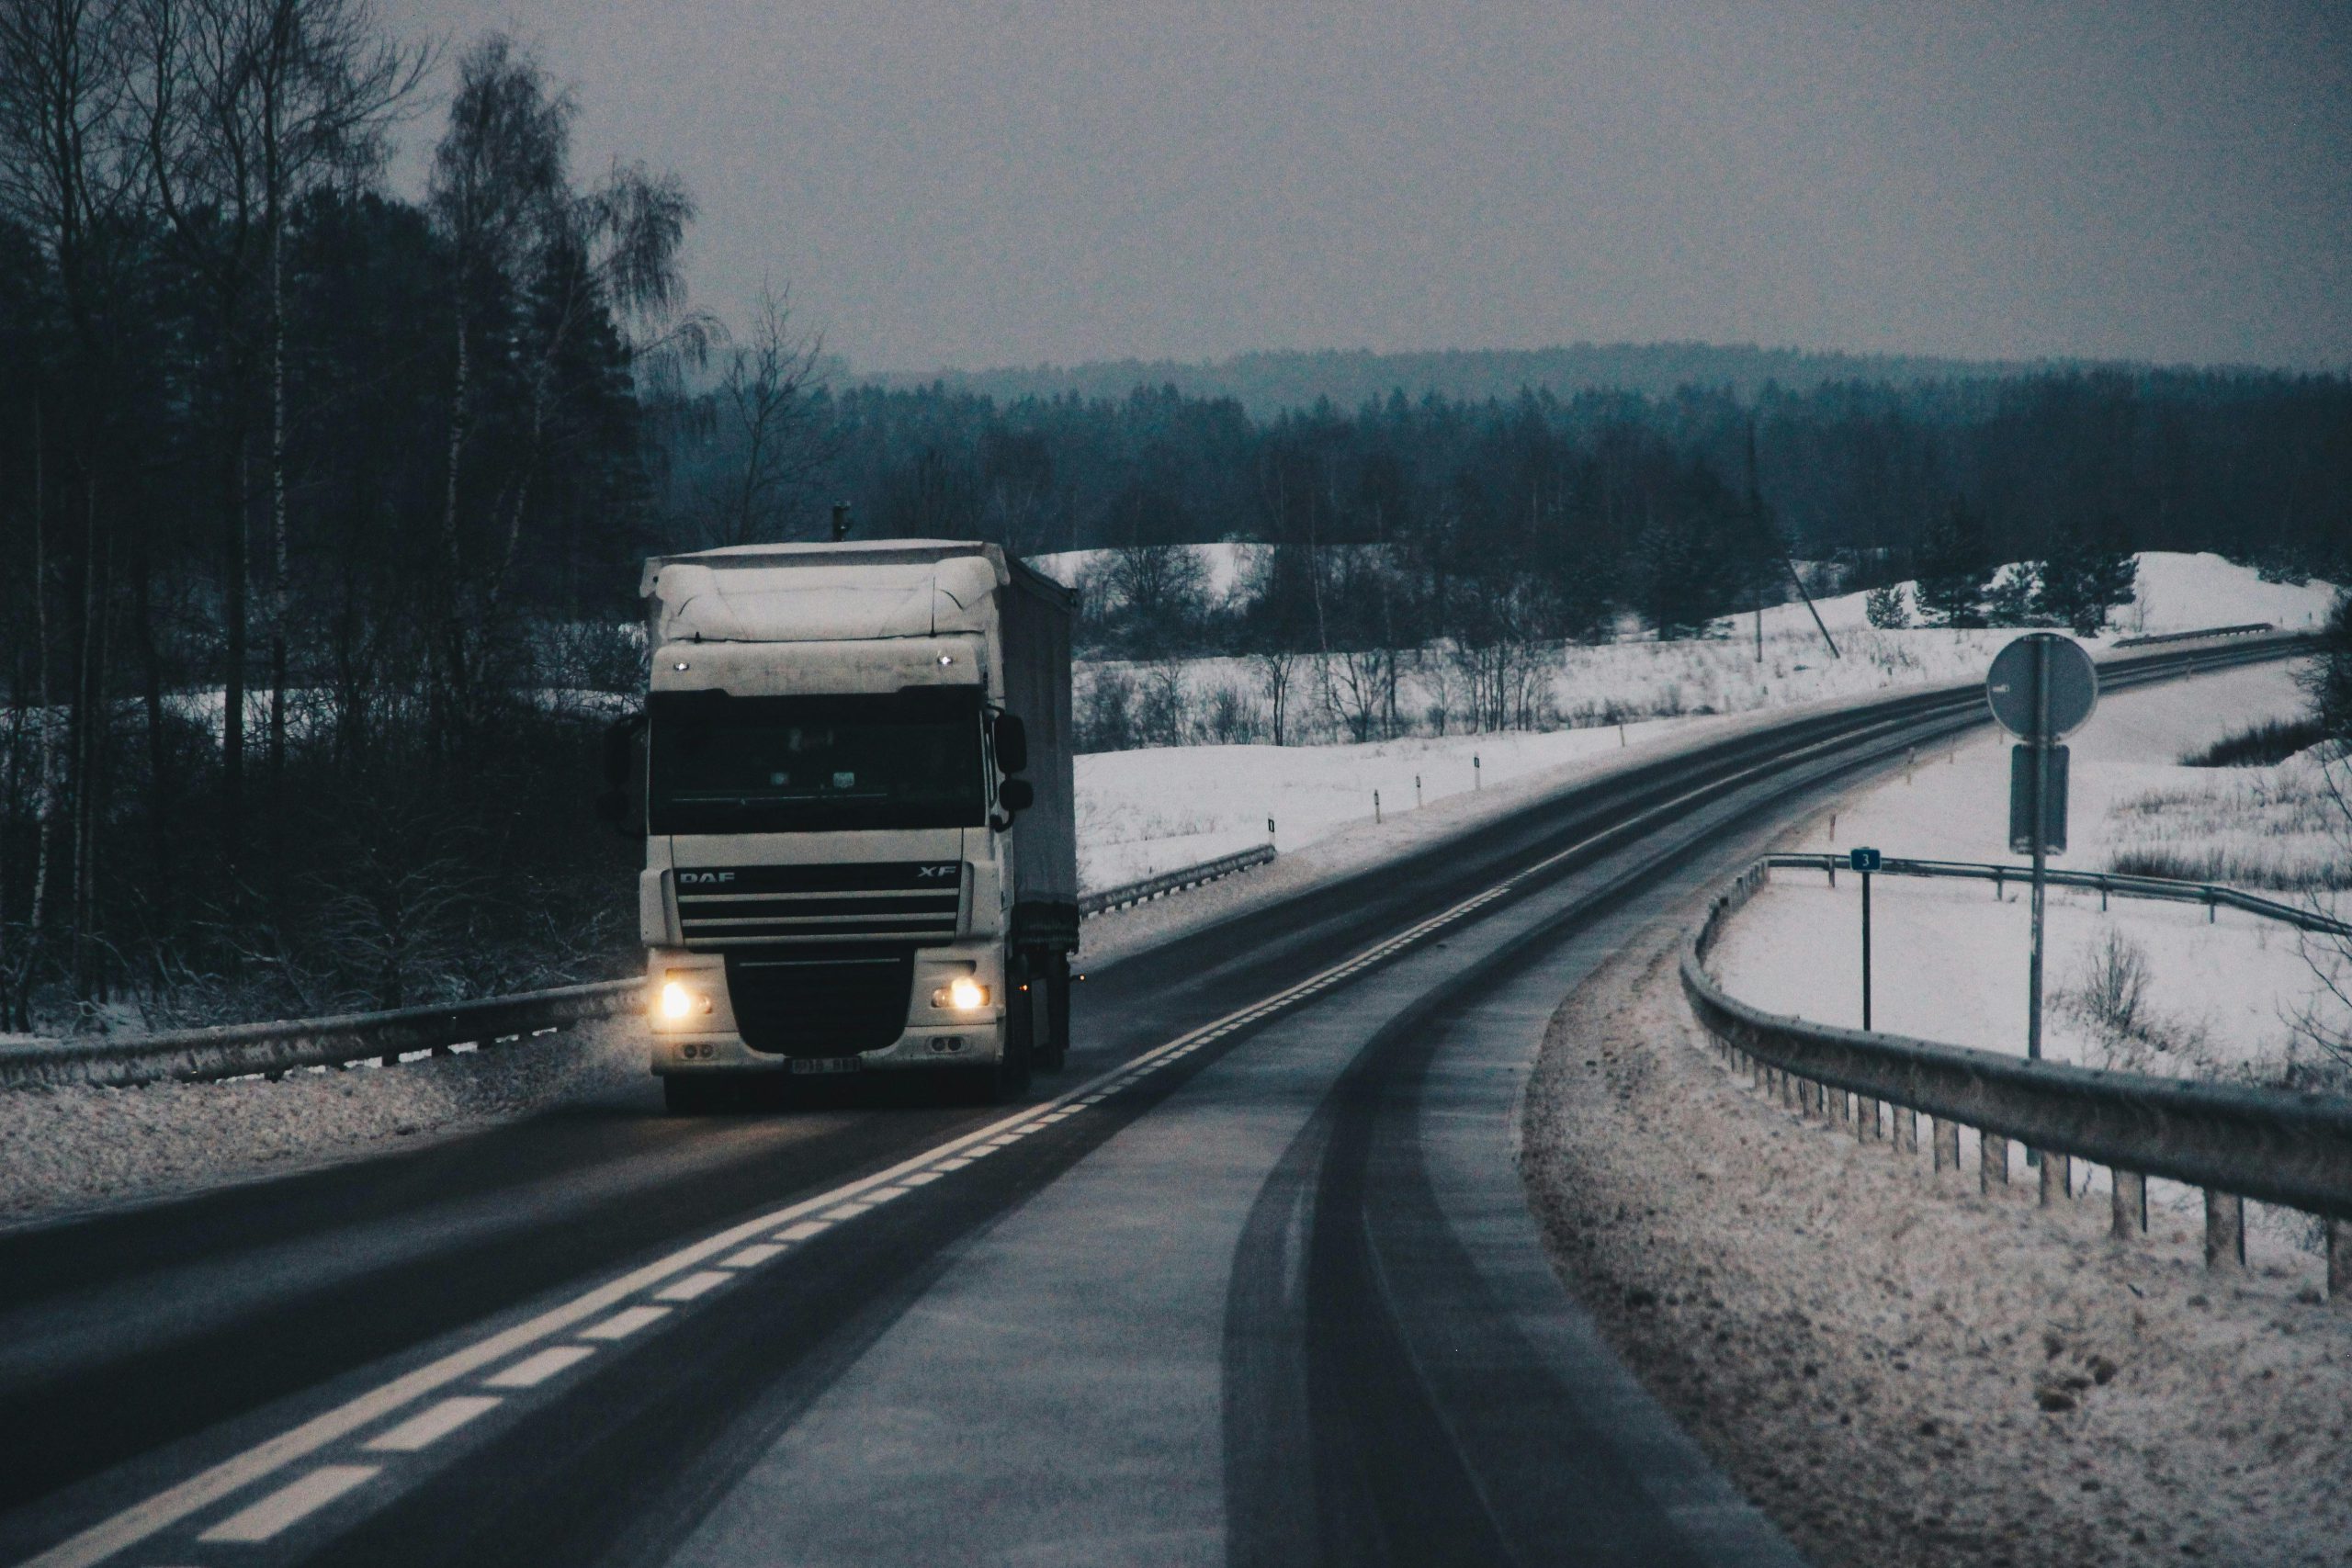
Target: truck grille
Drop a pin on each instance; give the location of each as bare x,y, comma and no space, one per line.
918,902
830,1001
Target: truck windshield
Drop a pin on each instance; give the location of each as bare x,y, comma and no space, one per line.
729,764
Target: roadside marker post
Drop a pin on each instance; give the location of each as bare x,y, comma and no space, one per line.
1865,860
2043,687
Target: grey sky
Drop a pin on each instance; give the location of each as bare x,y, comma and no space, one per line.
992,183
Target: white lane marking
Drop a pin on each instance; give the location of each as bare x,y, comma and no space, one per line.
884,1194
433,1423
804,1230
690,1287
625,1322
291,1503
919,1178
846,1212
533,1370
143,1520
752,1257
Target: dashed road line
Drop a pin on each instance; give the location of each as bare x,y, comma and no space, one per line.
693,1285
292,1503
533,1370
431,1424
625,1322
753,1255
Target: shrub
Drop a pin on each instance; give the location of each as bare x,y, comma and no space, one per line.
2262,745
1889,608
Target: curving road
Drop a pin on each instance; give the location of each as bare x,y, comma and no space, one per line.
1259,1286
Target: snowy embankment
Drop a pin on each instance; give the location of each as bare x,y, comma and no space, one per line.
2142,987
1902,1373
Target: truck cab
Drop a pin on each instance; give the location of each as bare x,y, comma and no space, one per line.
860,847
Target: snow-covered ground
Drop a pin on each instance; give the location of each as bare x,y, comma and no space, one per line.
1145,811
1950,959
1905,1373
2214,1000
1141,813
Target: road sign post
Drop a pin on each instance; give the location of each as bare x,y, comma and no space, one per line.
1865,862
2043,687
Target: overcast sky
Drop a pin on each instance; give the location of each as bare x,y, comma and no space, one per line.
982,184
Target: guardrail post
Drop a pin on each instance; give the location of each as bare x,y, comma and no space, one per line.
1992,1162
2224,1230
1906,1130
2130,1204
2057,1177
2339,1261
1946,1132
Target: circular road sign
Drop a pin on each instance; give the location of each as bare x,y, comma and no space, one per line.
2066,672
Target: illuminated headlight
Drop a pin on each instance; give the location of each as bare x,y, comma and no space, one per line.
680,1001
963,994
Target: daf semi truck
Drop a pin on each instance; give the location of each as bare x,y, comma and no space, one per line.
855,774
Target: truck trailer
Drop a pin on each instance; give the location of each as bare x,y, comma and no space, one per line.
861,854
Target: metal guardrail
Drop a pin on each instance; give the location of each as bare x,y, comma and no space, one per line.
2214,895
1176,881
2249,629
193,1055
2275,1145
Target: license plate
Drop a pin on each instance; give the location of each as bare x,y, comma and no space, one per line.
826,1065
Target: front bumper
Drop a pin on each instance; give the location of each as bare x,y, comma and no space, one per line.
705,1040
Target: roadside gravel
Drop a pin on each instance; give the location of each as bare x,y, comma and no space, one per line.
66,1150
1898,1371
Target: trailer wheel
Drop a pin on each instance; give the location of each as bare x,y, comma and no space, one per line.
1052,976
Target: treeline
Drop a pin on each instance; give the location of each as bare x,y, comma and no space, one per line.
1574,512
316,502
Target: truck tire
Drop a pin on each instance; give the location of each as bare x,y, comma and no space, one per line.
696,1094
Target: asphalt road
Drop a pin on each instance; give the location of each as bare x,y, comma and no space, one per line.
1256,1285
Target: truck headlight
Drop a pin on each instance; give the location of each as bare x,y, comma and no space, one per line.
963,994
680,1001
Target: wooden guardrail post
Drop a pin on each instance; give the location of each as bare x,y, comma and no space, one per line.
2057,1177
2224,1230
2339,1261
1992,1162
2128,1201
1947,1136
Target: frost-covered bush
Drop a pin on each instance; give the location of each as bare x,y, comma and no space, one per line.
1888,608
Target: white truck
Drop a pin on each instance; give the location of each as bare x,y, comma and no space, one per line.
860,840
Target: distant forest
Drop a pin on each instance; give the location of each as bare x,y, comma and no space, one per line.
325,504
1274,381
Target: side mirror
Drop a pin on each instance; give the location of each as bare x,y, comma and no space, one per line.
1011,744
1016,795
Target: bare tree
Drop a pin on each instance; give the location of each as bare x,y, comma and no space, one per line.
763,399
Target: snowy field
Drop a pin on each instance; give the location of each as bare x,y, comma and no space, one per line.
1950,959
2204,1000
1146,811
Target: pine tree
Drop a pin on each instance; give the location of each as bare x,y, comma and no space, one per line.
2015,597
2088,576
1888,608
1954,561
